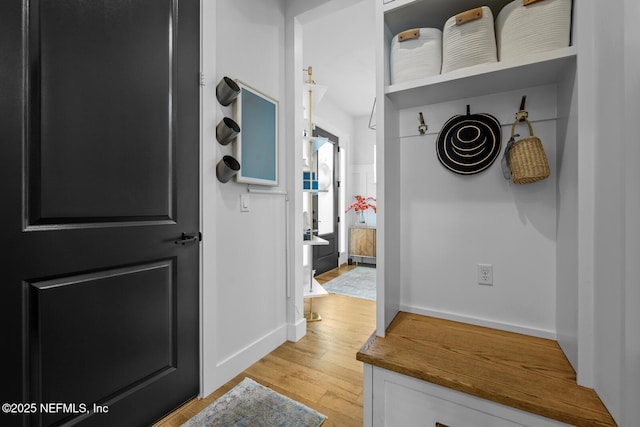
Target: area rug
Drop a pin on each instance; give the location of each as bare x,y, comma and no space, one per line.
359,282
250,404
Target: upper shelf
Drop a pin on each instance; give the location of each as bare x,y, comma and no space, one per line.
317,93
315,241
534,70
315,291
401,15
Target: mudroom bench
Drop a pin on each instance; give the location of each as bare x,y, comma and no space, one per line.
434,372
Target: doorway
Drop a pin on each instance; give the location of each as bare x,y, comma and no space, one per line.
325,214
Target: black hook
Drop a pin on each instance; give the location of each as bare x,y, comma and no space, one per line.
468,110
522,115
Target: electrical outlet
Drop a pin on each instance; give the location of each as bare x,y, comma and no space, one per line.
485,274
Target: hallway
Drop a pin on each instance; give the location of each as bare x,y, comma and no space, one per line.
321,370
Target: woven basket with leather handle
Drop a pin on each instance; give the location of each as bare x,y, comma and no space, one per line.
527,159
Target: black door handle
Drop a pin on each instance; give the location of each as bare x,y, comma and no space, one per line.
188,238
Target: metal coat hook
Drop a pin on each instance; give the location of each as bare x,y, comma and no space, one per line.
422,128
522,115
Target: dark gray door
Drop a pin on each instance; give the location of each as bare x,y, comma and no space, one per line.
325,203
99,125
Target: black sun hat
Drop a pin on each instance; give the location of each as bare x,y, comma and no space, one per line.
469,144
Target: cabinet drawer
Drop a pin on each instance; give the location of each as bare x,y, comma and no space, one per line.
408,407
399,400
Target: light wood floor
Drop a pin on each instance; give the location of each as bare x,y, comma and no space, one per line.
320,370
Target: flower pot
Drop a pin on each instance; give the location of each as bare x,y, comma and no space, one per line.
227,167
226,91
226,131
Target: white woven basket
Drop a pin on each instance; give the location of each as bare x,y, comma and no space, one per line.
538,27
468,43
416,57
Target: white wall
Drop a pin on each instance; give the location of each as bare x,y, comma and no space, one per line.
361,169
333,119
244,254
450,223
631,365
608,207
388,183
567,278
568,152
364,141
609,212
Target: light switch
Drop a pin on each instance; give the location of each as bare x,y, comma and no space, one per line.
244,203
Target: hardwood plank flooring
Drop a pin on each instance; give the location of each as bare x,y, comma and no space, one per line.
320,370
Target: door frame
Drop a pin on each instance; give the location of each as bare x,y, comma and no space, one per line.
317,130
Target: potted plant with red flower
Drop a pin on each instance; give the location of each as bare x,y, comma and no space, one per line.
360,205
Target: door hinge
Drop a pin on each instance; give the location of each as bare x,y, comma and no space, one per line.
338,220
338,182
202,79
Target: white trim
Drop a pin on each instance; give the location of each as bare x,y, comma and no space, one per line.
631,368
585,16
368,395
293,130
519,329
247,356
209,107
295,331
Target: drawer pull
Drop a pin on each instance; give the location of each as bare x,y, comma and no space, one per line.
441,425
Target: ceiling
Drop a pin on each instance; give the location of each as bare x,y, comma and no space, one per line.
340,48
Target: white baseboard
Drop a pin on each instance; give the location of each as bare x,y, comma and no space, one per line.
228,368
296,331
541,333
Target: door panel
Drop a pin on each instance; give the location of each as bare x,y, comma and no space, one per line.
95,337
101,109
100,141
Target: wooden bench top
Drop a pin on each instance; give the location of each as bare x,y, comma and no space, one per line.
528,373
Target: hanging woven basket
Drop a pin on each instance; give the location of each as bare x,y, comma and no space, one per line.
527,159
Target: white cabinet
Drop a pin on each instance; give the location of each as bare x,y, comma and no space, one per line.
403,211
398,400
590,88
452,216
